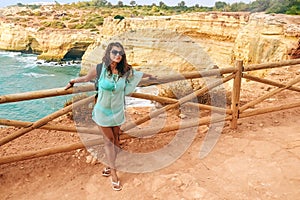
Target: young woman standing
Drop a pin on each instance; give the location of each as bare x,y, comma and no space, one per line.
116,80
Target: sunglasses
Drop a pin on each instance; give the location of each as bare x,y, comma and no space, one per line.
115,52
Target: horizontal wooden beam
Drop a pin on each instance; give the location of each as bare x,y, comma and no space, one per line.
44,121
48,151
268,95
90,87
208,107
269,82
47,126
271,65
80,145
44,93
260,111
163,100
181,101
145,132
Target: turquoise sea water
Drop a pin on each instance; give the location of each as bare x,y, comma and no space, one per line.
23,73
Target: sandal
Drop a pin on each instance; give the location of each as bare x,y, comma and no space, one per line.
116,186
106,172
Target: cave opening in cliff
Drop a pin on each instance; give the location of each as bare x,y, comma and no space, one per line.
74,54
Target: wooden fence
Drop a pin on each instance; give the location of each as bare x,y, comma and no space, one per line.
235,112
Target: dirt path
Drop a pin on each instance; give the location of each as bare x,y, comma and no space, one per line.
257,161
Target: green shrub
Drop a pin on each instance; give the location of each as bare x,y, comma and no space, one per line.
74,20
119,17
72,26
38,13
41,28
89,25
54,24
65,18
96,20
42,17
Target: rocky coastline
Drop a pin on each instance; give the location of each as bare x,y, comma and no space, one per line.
224,37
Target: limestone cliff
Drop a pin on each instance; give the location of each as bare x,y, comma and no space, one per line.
49,44
268,38
180,43
200,40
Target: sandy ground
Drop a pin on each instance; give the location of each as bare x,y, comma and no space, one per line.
258,160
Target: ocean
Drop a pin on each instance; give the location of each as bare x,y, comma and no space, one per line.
21,72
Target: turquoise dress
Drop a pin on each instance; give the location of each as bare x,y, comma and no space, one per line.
109,109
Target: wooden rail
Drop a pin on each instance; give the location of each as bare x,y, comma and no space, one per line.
233,114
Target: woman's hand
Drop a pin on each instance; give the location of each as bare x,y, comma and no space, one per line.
70,84
149,76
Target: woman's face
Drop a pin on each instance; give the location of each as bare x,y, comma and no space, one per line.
116,54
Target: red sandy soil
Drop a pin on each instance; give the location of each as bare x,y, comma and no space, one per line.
258,160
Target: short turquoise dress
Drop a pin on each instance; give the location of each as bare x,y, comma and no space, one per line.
109,109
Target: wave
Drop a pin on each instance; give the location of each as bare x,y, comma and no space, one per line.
29,58
58,64
37,75
9,54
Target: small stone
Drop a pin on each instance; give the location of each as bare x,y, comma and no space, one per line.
89,159
78,150
94,161
136,182
261,124
182,116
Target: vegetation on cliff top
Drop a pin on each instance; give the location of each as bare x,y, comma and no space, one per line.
268,6
90,15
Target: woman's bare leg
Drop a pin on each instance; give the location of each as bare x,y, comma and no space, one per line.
116,132
109,147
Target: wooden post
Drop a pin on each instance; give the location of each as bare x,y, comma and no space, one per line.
236,93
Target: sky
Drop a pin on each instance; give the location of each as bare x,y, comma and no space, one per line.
4,3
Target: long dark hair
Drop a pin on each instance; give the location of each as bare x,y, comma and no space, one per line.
122,66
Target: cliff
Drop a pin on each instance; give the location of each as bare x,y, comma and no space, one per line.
182,42
268,38
50,44
200,40
177,43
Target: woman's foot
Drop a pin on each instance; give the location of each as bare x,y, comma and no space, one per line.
106,172
116,186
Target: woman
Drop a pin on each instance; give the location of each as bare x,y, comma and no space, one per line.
116,80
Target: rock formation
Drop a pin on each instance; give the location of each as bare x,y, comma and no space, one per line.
219,37
51,44
165,44
268,38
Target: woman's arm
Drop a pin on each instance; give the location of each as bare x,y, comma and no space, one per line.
150,76
90,75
